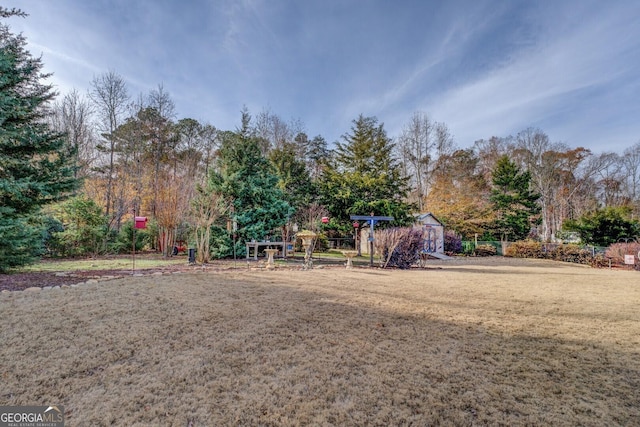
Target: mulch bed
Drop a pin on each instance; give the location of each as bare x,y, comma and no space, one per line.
21,281
40,279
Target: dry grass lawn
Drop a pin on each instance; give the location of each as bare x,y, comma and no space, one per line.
467,342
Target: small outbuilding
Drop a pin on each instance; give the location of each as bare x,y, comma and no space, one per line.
434,235
434,232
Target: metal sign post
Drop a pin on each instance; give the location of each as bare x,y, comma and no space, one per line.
133,268
234,228
138,222
372,220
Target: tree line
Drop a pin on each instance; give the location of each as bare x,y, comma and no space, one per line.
76,170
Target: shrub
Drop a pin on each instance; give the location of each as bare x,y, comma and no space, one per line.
452,242
617,251
51,229
557,252
599,261
85,227
124,240
399,247
322,243
525,249
485,250
221,243
571,253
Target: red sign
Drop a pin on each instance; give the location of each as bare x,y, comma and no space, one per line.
141,222
325,219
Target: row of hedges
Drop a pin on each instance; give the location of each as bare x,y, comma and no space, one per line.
561,252
400,247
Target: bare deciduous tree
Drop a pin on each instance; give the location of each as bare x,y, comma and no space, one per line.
310,216
211,142
161,101
72,116
488,151
161,136
607,174
538,156
631,171
275,132
110,97
421,143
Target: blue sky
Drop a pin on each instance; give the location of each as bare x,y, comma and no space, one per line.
485,68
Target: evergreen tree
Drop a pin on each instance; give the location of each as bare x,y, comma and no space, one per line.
364,177
85,227
35,164
317,155
294,179
247,180
605,226
513,201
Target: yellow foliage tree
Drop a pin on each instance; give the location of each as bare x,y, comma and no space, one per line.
206,208
171,206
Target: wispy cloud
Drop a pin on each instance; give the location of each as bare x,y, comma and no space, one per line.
484,68
436,63
540,81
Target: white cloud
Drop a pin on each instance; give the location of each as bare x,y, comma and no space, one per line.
484,68
541,81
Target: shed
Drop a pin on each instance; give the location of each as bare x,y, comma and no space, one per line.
434,241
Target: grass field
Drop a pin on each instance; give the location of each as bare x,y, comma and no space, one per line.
113,263
491,341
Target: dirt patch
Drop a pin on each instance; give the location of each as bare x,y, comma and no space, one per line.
37,279
469,342
20,281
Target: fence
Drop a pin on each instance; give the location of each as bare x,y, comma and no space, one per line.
469,246
341,243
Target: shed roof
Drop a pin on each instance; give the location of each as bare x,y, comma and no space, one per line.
428,219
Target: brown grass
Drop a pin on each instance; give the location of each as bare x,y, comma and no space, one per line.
468,342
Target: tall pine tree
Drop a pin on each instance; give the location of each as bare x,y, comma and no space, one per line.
364,177
514,203
35,162
294,179
248,182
